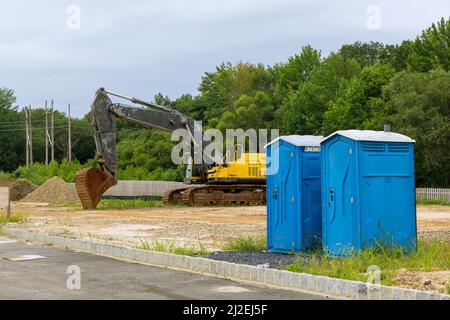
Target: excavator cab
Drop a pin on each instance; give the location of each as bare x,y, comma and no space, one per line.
193,173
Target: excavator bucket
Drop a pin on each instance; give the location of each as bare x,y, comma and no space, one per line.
91,183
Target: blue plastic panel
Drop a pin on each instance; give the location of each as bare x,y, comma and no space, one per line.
293,199
368,194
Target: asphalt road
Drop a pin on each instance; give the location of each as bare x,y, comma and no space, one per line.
105,278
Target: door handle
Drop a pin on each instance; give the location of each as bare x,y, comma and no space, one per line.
332,203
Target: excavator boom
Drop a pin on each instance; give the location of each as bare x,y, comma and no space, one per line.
93,182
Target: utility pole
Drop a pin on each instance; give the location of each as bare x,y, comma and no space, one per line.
27,139
53,133
69,142
47,136
30,140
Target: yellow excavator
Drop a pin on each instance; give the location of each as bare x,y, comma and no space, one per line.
241,180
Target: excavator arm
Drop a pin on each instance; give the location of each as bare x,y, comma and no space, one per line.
91,183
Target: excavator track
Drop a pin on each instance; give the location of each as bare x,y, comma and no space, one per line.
217,195
173,196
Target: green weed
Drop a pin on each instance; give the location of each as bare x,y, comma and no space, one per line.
113,204
429,256
170,247
249,244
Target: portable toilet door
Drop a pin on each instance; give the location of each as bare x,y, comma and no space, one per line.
293,193
368,191
338,188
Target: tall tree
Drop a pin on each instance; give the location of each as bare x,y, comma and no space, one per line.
290,75
397,54
250,112
302,112
366,53
418,105
431,50
360,106
12,138
220,89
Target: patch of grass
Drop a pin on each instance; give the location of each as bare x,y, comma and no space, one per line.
12,218
170,247
249,244
5,175
72,205
446,288
112,204
429,256
433,202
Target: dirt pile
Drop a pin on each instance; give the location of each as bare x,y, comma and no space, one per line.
438,281
18,188
54,191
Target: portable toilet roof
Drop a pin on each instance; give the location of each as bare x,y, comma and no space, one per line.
370,135
299,141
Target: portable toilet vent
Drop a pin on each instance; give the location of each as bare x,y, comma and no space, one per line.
368,191
293,193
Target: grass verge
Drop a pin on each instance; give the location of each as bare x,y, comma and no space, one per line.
433,202
12,218
170,247
112,204
429,256
118,204
249,244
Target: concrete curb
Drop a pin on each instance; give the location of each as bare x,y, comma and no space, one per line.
337,288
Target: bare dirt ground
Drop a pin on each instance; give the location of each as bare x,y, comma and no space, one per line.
437,281
180,226
212,227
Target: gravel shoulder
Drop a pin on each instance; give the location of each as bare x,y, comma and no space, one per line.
262,259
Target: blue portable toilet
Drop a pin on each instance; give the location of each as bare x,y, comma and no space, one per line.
368,191
293,193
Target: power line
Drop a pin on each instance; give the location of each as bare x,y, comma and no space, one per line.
38,128
79,125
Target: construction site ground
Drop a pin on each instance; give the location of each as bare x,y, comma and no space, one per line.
208,227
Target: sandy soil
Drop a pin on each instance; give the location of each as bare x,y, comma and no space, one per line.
210,226
181,225
437,281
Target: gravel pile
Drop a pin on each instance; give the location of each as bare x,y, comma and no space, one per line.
266,259
54,191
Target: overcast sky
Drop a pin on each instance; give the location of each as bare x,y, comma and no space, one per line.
142,47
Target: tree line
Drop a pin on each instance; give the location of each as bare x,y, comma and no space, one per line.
360,86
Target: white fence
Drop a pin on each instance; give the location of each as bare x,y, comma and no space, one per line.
433,194
132,188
